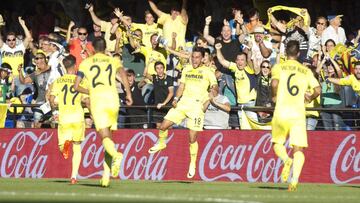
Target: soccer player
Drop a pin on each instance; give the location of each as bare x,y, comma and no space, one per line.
290,81
189,102
71,127
352,80
100,70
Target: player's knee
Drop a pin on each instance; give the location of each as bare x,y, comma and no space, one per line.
297,149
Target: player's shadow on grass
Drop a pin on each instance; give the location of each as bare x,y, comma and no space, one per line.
271,188
90,185
60,181
352,186
170,182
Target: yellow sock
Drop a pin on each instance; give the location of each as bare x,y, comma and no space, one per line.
106,165
162,136
280,151
76,159
109,146
194,147
299,159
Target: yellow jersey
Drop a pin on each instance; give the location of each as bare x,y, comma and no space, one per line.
147,31
245,83
197,82
100,70
106,27
69,100
351,81
294,80
149,53
169,26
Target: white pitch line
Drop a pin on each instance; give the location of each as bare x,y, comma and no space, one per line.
126,196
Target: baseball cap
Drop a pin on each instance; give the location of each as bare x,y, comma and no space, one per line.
259,30
330,17
6,67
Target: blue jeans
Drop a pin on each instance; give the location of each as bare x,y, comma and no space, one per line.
332,121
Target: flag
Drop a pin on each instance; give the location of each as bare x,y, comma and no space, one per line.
248,124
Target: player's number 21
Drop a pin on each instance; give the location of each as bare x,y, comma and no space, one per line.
97,69
293,90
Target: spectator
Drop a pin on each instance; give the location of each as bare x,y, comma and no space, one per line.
175,22
263,97
5,83
236,24
201,42
13,53
254,20
217,112
152,54
296,29
334,31
230,49
148,29
106,27
245,80
331,93
96,33
136,116
352,80
163,91
315,34
261,46
40,78
55,56
79,47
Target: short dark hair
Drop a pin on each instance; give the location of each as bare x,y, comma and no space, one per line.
254,12
199,49
69,61
292,48
99,44
159,63
130,71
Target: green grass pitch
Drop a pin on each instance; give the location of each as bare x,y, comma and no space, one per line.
59,190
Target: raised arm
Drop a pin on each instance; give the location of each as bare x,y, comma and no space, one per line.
28,36
24,80
208,37
184,14
1,41
179,54
68,33
156,10
220,56
95,19
276,23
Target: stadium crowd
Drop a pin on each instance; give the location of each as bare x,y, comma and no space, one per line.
154,53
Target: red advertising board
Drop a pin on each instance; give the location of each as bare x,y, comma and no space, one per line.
226,155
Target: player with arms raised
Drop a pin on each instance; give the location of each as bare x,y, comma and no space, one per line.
290,80
190,100
100,70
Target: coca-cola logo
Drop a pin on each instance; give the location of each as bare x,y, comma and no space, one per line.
227,161
23,155
346,160
136,164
